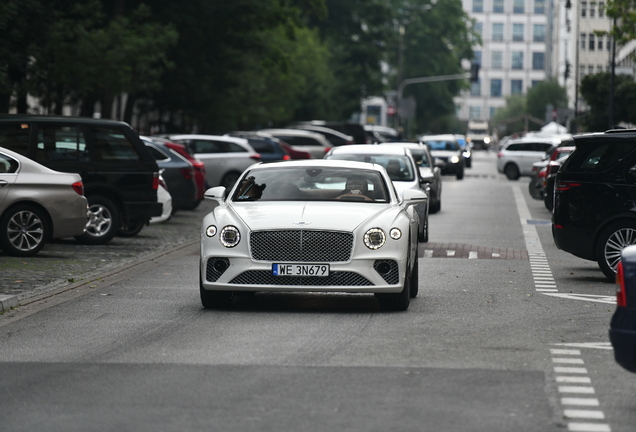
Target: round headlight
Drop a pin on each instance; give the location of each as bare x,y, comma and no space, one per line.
454,159
374,238
395,233
210,231
230,236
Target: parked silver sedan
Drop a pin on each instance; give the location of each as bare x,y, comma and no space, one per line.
37,204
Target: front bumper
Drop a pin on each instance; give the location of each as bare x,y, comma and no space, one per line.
380,275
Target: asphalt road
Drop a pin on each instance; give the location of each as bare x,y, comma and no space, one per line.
500,313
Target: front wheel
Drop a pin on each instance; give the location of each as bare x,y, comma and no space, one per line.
215,299
512,171
398,301
24,230
415,278
611,243
103,221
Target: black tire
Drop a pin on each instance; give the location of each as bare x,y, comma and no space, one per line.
24,230
415,275
469,163
398,301
103,221
229,179
423,236
534,190
215,299
460,174
512,171
611,242
131,229
437,206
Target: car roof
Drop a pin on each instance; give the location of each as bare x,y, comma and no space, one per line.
326,163
450,137
408,145
239,141
60,119
321,129
292,132
369,149
526,139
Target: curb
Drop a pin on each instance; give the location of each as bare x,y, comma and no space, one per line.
8,302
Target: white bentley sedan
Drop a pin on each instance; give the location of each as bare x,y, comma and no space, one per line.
312,226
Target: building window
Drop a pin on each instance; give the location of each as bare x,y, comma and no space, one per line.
498,6
583,39
478,5
478,30
518,6
599,68
599,45
601,9
517,32
592,41
539,7
538,60
583,9
582,70
538,33
475,88
517,60
497,31
516,87
492,111
609,43
474,112
495,87
477,57
592,9
536,82
496,59
590,69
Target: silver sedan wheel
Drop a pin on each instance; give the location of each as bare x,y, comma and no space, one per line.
25,231
100,220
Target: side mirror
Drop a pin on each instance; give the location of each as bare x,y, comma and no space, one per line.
215,193
412,197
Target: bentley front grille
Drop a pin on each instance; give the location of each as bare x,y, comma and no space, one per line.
301,246
215,268
389,270
265,277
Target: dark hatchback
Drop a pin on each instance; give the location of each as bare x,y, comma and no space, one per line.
120,175
622,331
594,214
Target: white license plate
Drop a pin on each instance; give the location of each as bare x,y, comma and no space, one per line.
311,270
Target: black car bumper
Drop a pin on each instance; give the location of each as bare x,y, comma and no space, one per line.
142,210
622,334
573,241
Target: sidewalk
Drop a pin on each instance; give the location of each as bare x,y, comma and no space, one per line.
66,262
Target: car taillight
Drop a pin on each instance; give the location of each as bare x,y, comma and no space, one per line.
500,154
256,157
155,181
563,186
327,149
621,297
543,172
187,173
286,157
78,187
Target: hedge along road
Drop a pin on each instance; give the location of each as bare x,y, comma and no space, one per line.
66,264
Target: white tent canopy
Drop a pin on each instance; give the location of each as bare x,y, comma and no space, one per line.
554,128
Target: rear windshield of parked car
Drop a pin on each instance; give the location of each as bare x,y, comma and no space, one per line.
312,184
597,156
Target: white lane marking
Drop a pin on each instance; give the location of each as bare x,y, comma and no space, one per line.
573,380
565,351
428,253
594,345
567,360
564,369
472,255
580,401
587,297
588,427
586,414
450,253
536,254
576,389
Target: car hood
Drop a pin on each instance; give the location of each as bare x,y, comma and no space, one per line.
307,214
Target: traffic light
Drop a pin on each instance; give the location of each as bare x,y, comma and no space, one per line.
474,72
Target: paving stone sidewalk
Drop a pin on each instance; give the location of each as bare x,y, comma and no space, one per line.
63,262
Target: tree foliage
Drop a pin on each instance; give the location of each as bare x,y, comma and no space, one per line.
595,90
221,65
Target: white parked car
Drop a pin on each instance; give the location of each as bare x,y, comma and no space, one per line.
516,157
224,157
314,225
313,142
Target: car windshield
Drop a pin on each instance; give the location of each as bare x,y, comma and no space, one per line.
442,145
312,184
398,167
421,159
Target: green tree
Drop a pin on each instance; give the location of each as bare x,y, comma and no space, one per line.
595,90
543,94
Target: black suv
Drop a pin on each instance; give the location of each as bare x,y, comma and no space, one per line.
120,175
594,215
